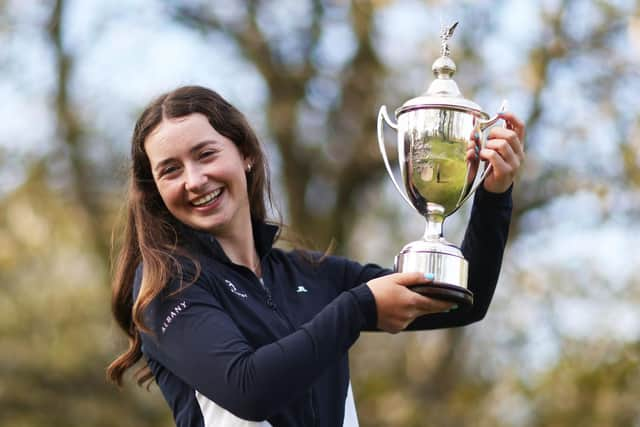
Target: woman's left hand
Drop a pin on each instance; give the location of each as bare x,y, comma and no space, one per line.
504,150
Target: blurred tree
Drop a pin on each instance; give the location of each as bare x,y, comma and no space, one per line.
56,334
575,83
590,386
322,169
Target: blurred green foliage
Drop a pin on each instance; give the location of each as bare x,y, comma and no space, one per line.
56,333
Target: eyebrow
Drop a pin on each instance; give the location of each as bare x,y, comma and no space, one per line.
192,151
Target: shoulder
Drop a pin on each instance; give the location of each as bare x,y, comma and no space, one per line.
189,278
190,288
336,268
308,260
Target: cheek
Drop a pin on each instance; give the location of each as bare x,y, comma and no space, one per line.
234,173
243,182
170,193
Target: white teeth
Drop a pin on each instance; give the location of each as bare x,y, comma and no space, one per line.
206,199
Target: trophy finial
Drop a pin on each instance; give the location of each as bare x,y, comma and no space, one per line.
445,34
444,67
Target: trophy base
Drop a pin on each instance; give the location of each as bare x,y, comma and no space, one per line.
461,296
447,265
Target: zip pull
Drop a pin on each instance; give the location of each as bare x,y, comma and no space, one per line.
270,302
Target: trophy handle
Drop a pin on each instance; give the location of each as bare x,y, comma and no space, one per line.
383,116
481,126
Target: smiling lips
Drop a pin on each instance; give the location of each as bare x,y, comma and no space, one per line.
207,199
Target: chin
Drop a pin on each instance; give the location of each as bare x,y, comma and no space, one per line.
213,228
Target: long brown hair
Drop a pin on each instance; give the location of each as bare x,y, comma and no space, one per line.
150,231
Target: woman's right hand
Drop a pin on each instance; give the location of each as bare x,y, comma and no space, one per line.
398,306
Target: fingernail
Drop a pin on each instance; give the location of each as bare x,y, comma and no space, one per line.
476,135
429,276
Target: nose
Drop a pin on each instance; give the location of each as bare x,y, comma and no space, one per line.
194,179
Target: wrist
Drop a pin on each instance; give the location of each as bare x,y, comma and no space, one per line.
487,198
497,189
367,303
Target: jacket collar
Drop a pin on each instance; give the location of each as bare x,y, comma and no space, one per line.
264,236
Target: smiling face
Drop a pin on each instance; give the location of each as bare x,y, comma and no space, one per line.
200,174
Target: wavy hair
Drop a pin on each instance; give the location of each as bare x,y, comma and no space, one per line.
151,233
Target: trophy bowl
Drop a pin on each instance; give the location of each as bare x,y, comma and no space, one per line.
434,133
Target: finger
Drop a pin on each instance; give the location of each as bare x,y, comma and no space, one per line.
511,137
472,154
426,305
412,278
514,123
474,137
505,150
473,149
474,140
501,167
473,146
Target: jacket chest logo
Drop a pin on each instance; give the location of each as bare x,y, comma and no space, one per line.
234,290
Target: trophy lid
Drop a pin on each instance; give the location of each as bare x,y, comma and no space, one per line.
443,92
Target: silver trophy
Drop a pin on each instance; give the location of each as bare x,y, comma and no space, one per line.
434,131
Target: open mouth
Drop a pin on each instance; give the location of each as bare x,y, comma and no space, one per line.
207,199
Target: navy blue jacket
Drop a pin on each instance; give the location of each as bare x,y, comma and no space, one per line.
278,351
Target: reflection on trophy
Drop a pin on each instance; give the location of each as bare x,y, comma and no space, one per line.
434,131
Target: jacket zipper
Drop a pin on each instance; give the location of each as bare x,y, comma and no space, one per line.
271,304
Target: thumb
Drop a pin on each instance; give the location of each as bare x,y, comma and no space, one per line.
411,278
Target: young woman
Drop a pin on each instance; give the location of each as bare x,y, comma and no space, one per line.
239,333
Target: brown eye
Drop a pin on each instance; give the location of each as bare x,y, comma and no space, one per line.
168,170
207,154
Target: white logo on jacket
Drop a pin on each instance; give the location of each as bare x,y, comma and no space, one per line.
235,290
173,314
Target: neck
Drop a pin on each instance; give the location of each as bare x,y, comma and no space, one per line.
241,249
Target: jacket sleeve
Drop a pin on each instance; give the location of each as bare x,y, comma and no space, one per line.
200,343
483,247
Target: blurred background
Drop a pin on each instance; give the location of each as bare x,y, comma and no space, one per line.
561,343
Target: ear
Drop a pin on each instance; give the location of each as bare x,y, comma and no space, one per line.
248,164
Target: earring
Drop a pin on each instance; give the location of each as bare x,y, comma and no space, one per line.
248,167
